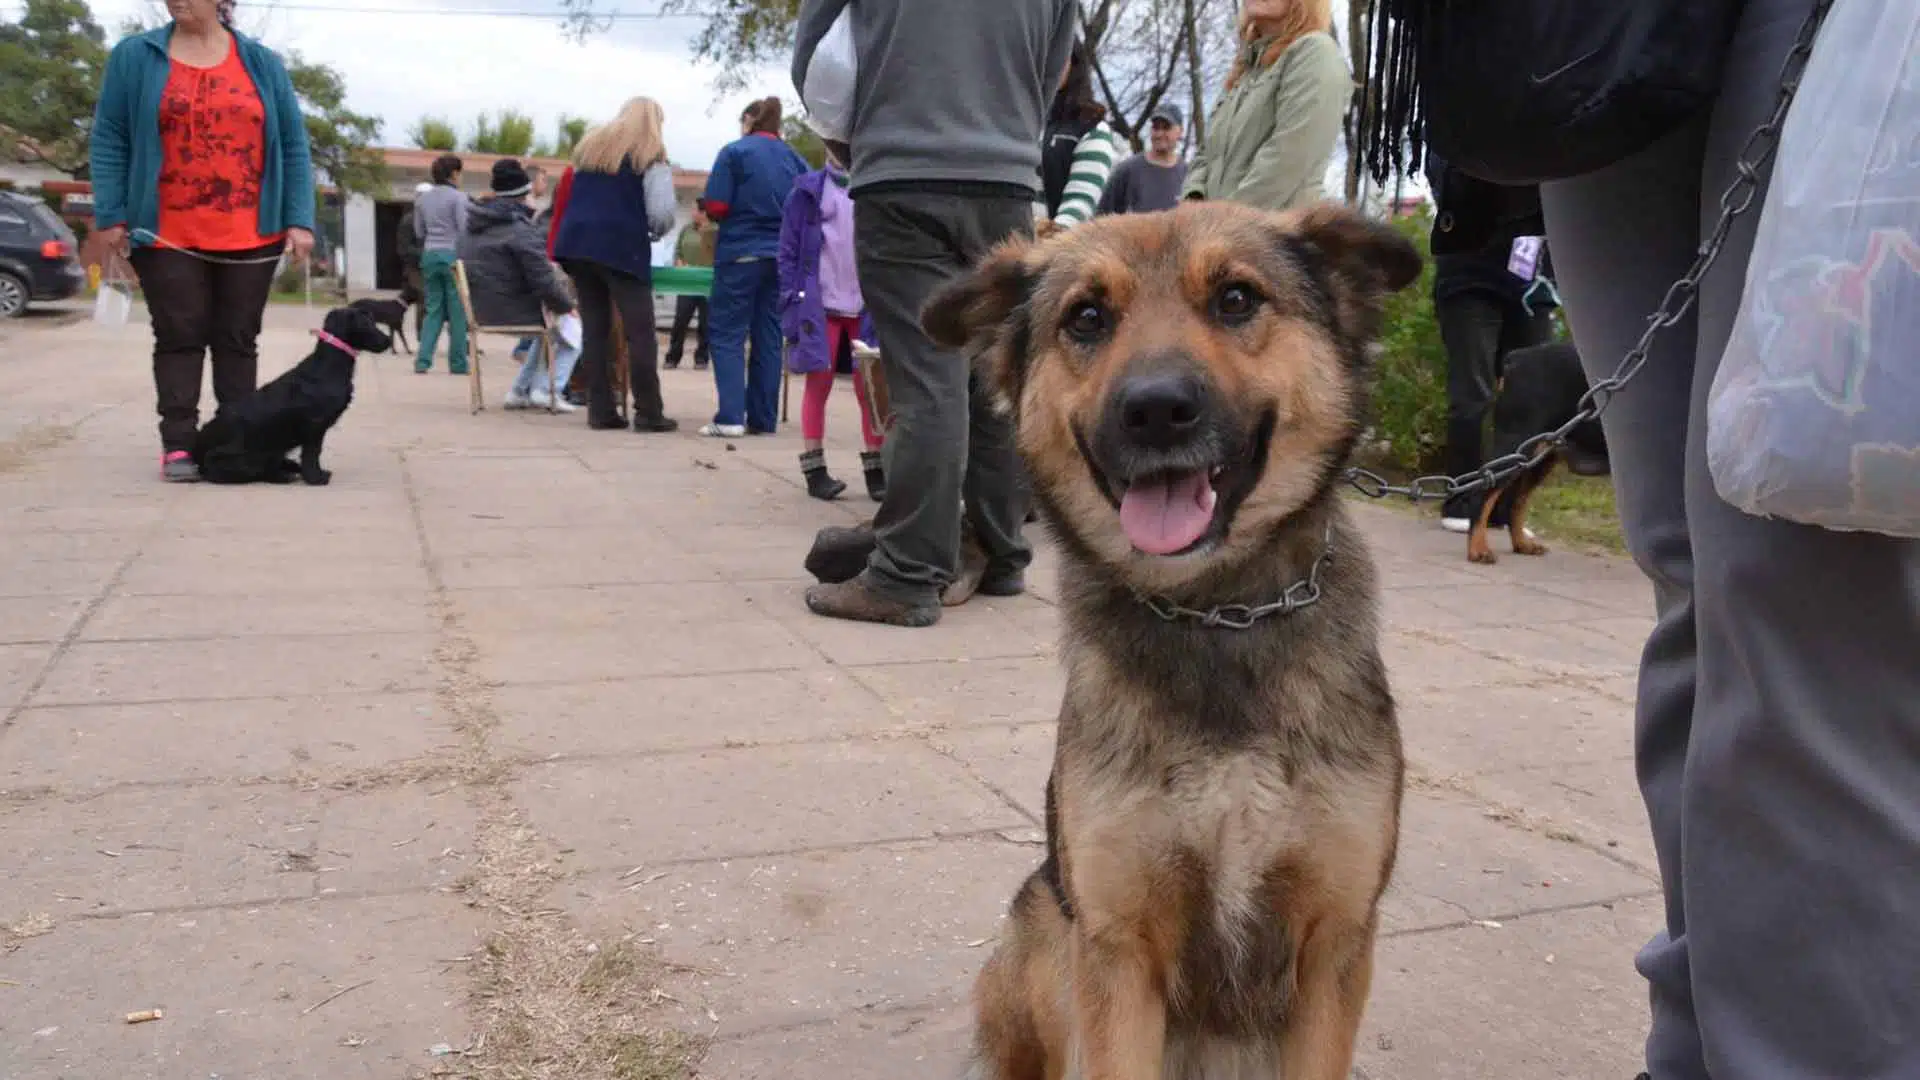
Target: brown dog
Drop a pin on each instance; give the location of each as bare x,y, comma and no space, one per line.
1224,804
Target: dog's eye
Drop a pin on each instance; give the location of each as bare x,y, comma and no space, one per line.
1235,303
1086,322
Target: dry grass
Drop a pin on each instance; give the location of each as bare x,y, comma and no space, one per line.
550,1003
16,453
13,934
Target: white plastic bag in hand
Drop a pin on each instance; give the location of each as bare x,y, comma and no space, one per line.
113,304
1814,414
831,76
568,327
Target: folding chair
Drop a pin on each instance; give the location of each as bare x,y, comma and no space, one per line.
544,330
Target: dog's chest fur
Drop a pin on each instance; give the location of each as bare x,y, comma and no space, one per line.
1215,799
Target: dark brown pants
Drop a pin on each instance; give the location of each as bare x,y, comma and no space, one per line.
196,307
602,289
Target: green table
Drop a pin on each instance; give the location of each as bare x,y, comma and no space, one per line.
683,280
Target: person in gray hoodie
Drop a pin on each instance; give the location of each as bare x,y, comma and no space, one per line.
439,220
945,149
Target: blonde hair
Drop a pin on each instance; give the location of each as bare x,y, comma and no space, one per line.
632,138
1302,18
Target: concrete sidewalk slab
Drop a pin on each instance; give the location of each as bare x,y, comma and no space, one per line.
520,734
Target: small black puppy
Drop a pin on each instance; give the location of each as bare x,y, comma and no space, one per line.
1540,389
248,441
391,314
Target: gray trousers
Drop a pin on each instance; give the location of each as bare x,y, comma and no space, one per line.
1778,720
945,441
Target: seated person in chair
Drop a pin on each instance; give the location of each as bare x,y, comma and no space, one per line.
510,280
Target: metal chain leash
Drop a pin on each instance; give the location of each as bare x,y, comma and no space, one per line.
1736,200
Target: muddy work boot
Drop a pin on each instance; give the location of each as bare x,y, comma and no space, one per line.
875,473
820,482
857,601
972,570
840,552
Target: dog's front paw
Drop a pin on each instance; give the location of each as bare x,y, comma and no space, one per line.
317,477
1528,544
1481,553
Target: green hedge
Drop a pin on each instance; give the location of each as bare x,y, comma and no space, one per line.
1410,387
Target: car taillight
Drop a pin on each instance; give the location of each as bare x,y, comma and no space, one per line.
55,249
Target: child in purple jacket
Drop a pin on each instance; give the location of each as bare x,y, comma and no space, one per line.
821,313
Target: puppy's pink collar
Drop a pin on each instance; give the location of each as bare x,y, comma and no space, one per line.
352,353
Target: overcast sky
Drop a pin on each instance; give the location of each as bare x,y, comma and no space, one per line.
403,59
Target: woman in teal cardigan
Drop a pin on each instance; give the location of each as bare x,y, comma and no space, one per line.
200,162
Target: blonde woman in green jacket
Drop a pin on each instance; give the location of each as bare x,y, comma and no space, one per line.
1272,135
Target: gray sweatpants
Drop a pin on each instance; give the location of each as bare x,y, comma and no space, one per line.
945,440
1778,719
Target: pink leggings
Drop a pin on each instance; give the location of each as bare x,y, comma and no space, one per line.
813,406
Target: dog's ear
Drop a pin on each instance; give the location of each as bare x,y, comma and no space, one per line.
1358,260
984,314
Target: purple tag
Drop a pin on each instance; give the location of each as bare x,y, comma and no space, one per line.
1524,261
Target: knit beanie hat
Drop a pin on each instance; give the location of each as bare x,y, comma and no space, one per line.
510,178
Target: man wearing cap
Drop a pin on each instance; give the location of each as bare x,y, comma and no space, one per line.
509,278
1151,181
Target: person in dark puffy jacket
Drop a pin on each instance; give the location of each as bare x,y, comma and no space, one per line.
511,281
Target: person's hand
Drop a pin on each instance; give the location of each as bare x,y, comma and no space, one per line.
115,238
299,244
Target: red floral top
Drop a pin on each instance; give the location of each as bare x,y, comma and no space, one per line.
212,139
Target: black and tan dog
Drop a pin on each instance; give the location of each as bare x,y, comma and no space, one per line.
1223,810
1541,387
391,314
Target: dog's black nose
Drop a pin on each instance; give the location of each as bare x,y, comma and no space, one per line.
1160,411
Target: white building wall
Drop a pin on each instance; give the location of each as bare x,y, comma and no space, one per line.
29,177
360,244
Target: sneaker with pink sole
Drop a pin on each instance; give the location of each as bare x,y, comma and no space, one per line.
177,467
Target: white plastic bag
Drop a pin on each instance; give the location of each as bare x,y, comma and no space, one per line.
113,304
568,327
831,76
1814,414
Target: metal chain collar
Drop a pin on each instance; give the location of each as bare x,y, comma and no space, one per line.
1301,594
1739,196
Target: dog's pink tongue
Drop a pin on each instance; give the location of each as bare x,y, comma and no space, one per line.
1166,515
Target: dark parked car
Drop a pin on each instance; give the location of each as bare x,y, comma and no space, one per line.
39,258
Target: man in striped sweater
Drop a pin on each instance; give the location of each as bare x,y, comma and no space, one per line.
1078,152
